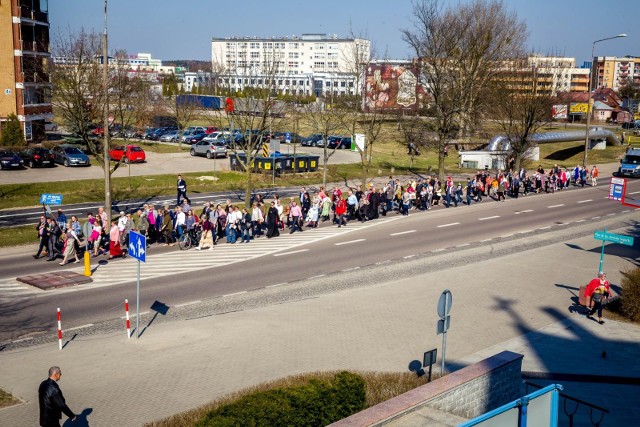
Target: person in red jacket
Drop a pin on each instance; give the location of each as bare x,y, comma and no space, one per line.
341,209
599,291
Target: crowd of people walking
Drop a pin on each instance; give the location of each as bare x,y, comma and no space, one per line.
207,226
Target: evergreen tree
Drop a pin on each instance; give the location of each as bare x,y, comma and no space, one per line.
12,134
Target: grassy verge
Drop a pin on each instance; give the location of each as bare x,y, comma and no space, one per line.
6,399
379,388
16,236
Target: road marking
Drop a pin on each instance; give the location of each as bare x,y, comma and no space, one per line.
611,214
351,269
634,192
525,211
463,245
585,201
488,217
23,340
276,285
318,276
525,231
383,262
88,325
349,242
581,220
555,206
485,240
292,252
595,217
448,225
402,232
187,303
506,236
625,211
408,256
545,228
234,294
439,250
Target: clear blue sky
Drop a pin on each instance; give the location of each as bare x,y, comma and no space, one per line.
182,29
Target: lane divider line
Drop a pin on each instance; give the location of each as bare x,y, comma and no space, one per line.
585,201
291,253
349,242
234,294
555,206
448,225
489,217
402,232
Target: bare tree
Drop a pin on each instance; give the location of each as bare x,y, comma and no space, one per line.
522,99
255,112
457,51
76,78
326,121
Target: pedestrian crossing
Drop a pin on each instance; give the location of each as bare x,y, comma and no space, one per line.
186,261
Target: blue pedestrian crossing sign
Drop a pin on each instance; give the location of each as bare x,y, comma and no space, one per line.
287,138
138,246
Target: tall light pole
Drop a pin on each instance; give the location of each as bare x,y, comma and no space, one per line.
586,139
105,124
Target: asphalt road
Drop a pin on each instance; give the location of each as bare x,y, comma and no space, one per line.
419,233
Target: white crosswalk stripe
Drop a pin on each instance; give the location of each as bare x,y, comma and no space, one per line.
177,262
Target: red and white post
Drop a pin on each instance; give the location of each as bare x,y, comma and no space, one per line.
59,331
126,309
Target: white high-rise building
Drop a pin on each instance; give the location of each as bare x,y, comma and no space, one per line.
319,64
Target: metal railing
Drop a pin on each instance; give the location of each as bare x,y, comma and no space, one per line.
571,405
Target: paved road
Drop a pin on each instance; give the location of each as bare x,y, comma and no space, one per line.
176,278
511,294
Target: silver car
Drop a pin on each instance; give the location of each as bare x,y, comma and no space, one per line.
171,136
210,148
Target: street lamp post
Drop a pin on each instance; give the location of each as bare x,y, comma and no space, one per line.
586,139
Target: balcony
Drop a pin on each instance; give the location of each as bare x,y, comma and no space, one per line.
35,47
26,12
35,77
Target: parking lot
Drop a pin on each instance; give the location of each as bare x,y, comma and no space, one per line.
157,163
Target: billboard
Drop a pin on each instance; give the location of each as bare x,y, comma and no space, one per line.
579,108
391,86
559,111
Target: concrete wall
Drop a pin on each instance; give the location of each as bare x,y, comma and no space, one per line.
466,393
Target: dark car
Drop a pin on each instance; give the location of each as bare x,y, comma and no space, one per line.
37,157
10,160
294,138
313,140
69,155
193,137
631,125
339,142
149,132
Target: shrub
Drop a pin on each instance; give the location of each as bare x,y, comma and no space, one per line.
630,300
12,135
318,402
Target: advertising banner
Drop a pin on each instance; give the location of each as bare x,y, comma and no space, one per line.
391,87
579,108
559,111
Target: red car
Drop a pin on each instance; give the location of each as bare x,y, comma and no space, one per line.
128,154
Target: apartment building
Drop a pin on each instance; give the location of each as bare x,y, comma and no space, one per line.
24,58
614,73
559,74
310,64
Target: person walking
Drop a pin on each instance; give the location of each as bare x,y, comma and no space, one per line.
295,217
70,244
594,175
341,209
206,239
51,401
43,236
181,187
599,292
272,221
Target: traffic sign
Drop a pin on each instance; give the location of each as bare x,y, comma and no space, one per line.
616,188
287,137
444,304
612,237
51,199
443,325
138,246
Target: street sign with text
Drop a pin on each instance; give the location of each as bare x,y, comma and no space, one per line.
613,238
51,199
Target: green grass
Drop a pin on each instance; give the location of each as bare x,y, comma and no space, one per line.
380,387
6,399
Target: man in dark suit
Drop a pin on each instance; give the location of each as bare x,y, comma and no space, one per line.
51,400
181,186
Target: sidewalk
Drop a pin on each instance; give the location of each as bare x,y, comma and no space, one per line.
519,302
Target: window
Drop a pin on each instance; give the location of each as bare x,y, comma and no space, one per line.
254,45
318,64
343,84
293,55
301,82
268,45
255,55
293,45
293,83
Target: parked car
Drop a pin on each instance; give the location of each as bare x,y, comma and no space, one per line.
171,136
50,126
631,125
10,160
195,128
69,155
313,140
339,142
293,137
193,136
210,148
128,154
37,156
149,132
131,132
